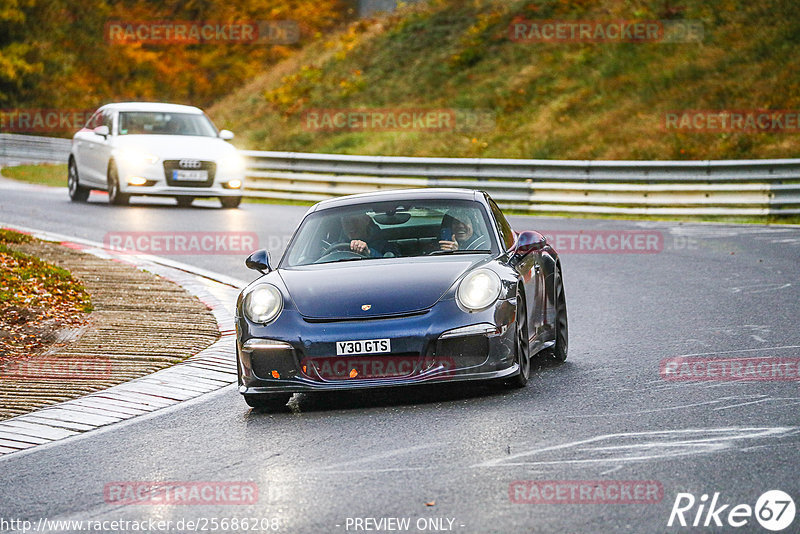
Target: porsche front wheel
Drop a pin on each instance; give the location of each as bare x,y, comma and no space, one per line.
523,350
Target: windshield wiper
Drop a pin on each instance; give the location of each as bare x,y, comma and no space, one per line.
343,259
459,251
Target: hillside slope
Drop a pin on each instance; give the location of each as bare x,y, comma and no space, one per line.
561,100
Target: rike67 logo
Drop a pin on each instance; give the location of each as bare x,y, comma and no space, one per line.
774,510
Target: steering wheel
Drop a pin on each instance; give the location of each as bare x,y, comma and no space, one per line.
342,247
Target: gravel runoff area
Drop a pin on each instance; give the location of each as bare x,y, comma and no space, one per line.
141,323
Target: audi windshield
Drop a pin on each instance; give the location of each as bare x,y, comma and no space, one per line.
158,123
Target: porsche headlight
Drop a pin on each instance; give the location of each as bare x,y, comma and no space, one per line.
263,304
479,289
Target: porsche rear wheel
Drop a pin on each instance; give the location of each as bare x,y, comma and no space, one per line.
523,349
268,401
559,351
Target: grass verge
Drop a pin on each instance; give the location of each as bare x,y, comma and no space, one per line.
557,100
36,298
52,174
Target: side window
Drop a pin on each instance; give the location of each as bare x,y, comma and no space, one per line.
505,229
107,118
95,121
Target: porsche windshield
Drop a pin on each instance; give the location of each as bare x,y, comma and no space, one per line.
158,123
391,230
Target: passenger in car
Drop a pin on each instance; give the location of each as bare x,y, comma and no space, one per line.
461,227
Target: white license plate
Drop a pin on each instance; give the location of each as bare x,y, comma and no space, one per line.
368,346
189,176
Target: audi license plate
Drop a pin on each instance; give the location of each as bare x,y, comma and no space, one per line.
190,176
370,346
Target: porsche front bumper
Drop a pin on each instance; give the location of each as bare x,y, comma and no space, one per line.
441,344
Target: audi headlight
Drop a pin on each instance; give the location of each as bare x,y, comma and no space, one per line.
263,304
232,163
479,289
133,156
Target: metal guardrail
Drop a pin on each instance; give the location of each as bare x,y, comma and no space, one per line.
668,188
33,149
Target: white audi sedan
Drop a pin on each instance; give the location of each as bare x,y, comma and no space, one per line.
156,149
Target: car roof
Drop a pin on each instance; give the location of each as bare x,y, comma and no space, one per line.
153,106
433,193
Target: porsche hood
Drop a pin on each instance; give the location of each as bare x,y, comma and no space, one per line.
371,288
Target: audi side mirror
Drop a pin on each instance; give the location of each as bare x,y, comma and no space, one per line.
259,261
102,130
225,135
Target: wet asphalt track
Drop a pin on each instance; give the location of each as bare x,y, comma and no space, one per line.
605,414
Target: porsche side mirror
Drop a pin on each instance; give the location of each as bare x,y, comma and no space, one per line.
529,241
102,130
225,135
259,261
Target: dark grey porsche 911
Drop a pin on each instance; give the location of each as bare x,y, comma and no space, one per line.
397,288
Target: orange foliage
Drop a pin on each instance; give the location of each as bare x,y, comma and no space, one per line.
71,63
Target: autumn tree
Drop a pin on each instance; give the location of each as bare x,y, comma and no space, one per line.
56,54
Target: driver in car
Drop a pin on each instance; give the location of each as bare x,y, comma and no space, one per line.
362,230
